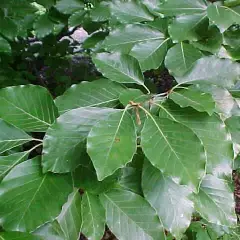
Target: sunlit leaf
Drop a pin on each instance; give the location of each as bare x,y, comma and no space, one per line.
215,202
93,213
112,143
126,210
70,218
64,141
170,200
11,136
175,150
28,107
181,58
99,93
29,199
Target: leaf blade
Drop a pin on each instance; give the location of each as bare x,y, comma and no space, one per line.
142,220
117,133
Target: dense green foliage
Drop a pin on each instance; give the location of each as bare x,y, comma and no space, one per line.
135,129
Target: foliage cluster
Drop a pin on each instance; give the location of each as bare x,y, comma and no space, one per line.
84,147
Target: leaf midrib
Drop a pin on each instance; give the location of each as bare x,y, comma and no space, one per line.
118,207
45,123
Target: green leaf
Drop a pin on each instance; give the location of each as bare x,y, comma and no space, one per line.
100,12
202,102
150,54
215,202
211,41
46,3
152,5
11,136
8,28
188,27
28,107
29,199
76,18
124,38
232,37
64,141
4,46
85,177
233,125
93,213
181,58
221,72
223,16
170,200
173,7
135,11
69,6
70,218
130,94
202,234
224,101
10,161
111,143
131,180
43,26
212,133
18,236
127,210
175,150
119,67
99,93
50,231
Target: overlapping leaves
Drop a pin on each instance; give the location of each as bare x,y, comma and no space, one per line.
104,131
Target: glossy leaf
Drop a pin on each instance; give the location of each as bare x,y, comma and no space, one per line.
221,72
233,125
10,161
93,213
64,141
70,218
150,54
188,27
18,236
11,136
129,216
99,93
215,202
28,107
212,133
172,7
202,102
179,151
223,16
224,101
29,199
119,68
170,200
50,231
4,46
111,143
69,6
181,58
124,38
135,11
